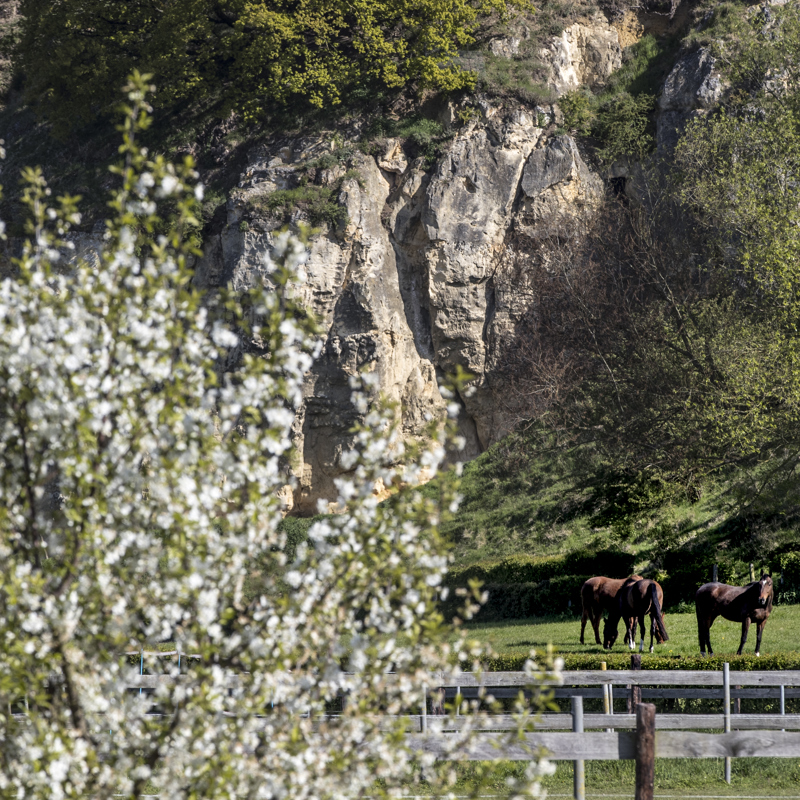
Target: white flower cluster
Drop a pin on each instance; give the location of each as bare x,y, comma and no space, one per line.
139,503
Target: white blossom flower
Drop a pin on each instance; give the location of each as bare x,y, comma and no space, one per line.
142,469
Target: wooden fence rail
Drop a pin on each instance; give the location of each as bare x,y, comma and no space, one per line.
643,735
615,746
563,722
494,681
645,744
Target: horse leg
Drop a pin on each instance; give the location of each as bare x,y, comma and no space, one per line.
632,633
701,634
584,620
704,633
759,630
745,629
596,620
641,632
652,631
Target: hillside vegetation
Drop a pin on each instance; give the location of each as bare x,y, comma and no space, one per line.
656,365
661,357
654,372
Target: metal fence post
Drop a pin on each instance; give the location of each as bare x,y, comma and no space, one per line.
726,694
606,699
579,775
783,703
645,751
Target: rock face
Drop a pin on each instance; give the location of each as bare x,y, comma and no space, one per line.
693,86
409,284
585,54
405,287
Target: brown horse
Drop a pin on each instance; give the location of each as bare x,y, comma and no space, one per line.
635,600
599,595
745,604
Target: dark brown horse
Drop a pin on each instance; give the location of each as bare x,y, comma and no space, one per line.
599,595
745,604
635,600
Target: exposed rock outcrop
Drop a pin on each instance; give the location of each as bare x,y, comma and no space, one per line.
411,283
405,288
585,54
693,86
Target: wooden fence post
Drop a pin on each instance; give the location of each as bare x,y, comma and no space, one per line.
726,699
424,718
645,750
579,775
636,692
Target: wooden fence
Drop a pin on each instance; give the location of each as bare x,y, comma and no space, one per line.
639,734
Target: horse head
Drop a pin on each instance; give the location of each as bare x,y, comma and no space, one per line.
765,589
610,633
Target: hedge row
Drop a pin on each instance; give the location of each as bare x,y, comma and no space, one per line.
532,569
521,600
525,586
686,571
513,662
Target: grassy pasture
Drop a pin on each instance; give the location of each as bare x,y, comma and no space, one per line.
674,778
507,636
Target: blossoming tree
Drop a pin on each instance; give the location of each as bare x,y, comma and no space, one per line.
139,497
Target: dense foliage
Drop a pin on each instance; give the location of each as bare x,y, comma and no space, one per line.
144,430
510,662
665,335
245,54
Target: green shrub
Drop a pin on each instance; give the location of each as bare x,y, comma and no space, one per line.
624,125
688,569
790,568
532,569
296,530
251,57
513,662
339,155
320,203
621,496
578,108
521,77
620,115
425,135
520,600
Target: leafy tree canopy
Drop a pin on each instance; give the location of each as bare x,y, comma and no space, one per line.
247,53
673,328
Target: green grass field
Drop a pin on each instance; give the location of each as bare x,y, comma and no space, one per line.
684,778
781,634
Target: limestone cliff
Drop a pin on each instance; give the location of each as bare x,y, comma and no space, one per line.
406,282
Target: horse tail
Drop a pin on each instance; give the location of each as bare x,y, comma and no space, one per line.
657,614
